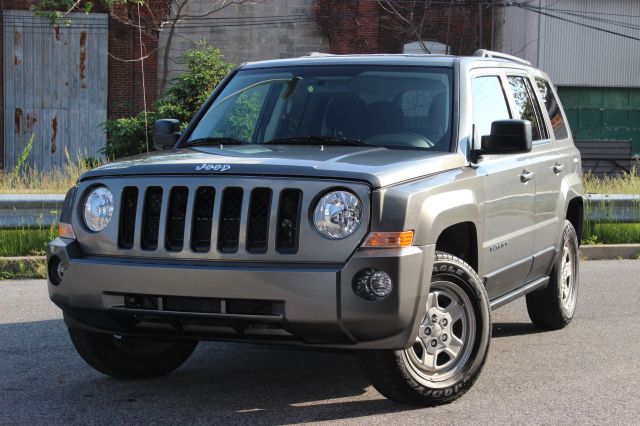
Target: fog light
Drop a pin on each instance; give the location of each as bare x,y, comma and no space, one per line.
373,284
56,270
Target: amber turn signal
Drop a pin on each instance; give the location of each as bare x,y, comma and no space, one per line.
65,231
389,239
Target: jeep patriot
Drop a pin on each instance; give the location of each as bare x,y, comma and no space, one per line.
380,203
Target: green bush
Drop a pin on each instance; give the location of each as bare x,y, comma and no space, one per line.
205,68
126,136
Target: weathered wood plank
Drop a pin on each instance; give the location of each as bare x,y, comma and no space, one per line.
9,88
55,87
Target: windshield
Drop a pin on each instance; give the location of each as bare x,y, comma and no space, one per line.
386,106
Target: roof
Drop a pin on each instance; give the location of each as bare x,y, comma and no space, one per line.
379,59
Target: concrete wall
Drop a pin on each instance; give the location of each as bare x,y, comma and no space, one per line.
266,29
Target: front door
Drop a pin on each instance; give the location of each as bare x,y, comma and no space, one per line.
509,187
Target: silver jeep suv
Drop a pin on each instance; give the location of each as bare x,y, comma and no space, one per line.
380,203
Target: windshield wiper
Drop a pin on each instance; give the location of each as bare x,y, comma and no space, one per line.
319,140
216,141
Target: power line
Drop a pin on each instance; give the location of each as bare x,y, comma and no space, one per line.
582,24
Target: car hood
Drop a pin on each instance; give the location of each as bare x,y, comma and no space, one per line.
377,166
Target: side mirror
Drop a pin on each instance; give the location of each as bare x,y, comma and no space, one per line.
507,137
165,133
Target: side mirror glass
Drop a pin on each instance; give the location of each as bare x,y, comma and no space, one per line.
166,133
507,137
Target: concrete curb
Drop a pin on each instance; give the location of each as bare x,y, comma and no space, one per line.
610,251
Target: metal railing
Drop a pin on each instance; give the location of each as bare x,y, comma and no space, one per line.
42,210
29,210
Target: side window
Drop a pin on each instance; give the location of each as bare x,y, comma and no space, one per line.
525,106
553,109
489,103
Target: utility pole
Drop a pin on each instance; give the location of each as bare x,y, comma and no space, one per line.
499,16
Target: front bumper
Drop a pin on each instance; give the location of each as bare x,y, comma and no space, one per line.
310,304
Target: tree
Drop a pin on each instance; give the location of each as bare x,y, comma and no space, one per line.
409,17
205,68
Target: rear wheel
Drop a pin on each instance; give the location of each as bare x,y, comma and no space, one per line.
451,346
127,357
553,307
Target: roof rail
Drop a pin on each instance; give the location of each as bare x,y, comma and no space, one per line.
484,53
314,54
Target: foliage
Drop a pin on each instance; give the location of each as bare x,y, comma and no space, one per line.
205,68
21,164
126,136
628,183
55,181
611,233
239,120
24,268
26,242
56,10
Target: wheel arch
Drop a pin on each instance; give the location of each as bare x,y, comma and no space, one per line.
460,240
575,215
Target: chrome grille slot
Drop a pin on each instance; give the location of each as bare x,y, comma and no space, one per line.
202,219
288,221
174,236
151,218
258,221
128,205
229,234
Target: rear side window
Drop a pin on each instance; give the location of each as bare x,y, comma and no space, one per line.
553,109
489,103
525,106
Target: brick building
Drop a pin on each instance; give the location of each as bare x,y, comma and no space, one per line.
364,26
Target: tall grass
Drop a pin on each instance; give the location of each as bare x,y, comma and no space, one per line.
628,183
25,180
26,242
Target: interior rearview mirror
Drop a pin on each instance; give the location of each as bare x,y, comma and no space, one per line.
165,133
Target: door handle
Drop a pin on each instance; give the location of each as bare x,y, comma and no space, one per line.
558,168
526,176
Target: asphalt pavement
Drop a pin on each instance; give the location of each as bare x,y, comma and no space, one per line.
588,373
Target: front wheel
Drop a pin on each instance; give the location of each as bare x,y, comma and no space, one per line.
451,346
127,357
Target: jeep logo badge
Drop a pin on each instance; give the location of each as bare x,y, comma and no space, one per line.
213,167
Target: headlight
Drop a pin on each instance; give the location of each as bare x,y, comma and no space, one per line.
98,208
338,214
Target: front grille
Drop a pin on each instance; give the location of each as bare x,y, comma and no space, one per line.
230,220
258,225
128,217
288,221
176,218
200,305
206,218
202,219
151,217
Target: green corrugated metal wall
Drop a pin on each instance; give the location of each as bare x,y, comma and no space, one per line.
603,113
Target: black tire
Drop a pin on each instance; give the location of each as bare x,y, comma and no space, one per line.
547,307
127,357
395,374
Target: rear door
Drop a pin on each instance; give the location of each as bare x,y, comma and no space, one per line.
548,168
509,187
